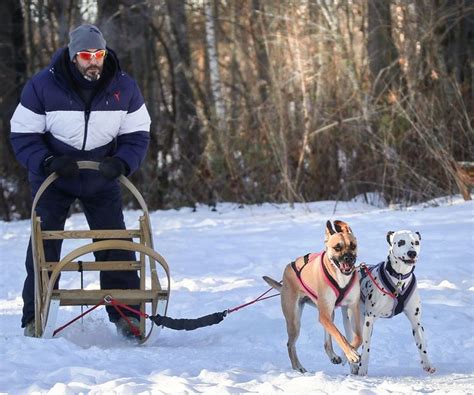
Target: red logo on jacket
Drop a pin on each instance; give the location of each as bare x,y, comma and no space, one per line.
117,95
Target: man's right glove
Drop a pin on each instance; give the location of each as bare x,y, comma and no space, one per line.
64,166
112,167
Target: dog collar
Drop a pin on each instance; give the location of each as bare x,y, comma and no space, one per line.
395,274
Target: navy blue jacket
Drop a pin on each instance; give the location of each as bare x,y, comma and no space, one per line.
52,119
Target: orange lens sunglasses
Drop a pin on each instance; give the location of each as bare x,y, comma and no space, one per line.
98,55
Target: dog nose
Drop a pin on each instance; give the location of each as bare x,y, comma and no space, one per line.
349,258
411,254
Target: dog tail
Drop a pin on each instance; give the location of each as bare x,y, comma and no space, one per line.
272,283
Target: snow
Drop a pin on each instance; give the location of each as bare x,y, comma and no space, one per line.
217,259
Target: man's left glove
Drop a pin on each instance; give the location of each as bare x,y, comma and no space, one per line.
112,167
64,166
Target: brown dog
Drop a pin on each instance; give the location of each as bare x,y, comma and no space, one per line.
327,280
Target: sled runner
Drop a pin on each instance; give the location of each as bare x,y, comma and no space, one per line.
151,292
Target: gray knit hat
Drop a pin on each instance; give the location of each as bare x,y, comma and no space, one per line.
85,37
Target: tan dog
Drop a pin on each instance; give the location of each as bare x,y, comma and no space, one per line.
326,280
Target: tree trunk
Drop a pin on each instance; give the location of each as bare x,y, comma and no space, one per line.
257,27
186,120
214,72
382,53
15,194
456,35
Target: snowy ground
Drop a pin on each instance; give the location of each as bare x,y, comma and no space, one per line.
217,259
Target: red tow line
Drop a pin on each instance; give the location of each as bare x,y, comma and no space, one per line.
79,316
369,273
108,300
257,299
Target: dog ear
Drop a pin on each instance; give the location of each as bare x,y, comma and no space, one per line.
342,227
389,236
419,235
329,230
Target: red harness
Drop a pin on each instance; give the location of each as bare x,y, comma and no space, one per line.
340,292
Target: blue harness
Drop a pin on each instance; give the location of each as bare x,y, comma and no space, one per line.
400,297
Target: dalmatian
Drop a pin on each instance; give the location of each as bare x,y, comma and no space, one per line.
388,289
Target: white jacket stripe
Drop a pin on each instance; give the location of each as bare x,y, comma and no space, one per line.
27,121
137,121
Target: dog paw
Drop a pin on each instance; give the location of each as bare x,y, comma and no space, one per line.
353,356
336,360
429,369
361,371
354,368
298,367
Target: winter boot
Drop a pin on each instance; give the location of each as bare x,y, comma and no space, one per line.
30,329
124,329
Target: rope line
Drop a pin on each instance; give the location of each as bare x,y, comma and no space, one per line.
78,317
369,273
257,299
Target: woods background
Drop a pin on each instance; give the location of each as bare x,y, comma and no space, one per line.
270,101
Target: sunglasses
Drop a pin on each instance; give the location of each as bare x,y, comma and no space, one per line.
98,55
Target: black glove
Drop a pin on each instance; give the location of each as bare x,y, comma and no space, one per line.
112,168
64,166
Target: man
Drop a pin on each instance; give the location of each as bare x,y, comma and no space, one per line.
82,107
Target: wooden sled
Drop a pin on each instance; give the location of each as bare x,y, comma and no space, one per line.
48,299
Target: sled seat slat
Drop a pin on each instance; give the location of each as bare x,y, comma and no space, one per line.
91,234
77,297
95,266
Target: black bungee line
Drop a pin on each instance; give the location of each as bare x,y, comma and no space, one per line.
188,324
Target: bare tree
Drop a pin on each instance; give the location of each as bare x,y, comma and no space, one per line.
259,34
214,68
187,123
381,51
15,197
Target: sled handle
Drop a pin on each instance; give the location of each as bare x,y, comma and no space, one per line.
89,165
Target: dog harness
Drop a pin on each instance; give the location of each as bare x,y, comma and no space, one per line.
340,292
400,297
